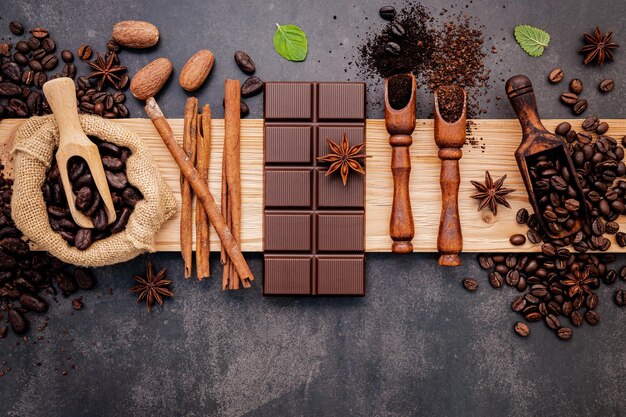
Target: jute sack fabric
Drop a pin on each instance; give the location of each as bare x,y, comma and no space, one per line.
33,149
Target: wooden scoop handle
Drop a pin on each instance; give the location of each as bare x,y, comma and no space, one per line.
450,238
401,227
519,89
61,95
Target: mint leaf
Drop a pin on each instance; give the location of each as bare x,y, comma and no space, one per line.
531,39
290,42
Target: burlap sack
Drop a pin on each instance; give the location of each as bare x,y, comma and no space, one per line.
33,150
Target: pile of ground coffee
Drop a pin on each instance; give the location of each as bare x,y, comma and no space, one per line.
399,91
437,53
450,102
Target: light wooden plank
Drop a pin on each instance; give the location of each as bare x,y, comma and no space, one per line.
495,140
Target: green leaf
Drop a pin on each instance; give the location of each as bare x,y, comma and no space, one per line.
531,39
290,42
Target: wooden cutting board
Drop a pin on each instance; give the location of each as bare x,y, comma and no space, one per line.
490,146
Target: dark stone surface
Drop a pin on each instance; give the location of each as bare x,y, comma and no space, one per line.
418,344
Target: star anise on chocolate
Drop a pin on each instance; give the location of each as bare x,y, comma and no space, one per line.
579,282
107,70
598,47
491,193
344,158
152,287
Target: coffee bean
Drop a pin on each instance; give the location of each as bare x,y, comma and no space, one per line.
397,30
580,106
17,321
8,89
495,279
100,219
517,239
67,56
387,12
563,129
16,28
84,279
620,298
35,65
39,32
564,333
512,277
522,216
576,86
83,239
84,52
33,303
49,62
470,284
393,48
244,62
556,75
252,86
592,317
533,236
40,79
590,123
522,329
121,221
485,262
48,45
591,301
553,322
569,98
131,196
606,86
34,43
602,128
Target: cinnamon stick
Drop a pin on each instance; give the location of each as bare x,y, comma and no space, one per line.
200,188
186,222
203,153
232,168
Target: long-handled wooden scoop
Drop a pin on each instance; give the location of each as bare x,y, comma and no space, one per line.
61,95
450,137
400,123
536,139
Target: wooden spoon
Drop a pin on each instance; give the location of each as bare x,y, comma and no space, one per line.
61,95
450,138
537,139
400,124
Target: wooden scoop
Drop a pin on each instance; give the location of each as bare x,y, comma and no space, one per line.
400,124
537,139
61,95
450,138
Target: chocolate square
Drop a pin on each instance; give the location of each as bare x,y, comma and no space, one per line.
340,232
340,275
288,231
287,275
288,188
288,144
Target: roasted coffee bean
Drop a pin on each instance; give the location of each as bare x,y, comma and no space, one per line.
533,236
522,329
610,277
35,65
33,43
3,332
548,249
620,298
38,54
495,279
486,262
564,333
252,86
84,52
84,279
606,86
65,282
131,196
522,216
245,63
580,106
17,321
28,77
519,303
116,180
592,317
470,284
392,48
120,222
512,277
22,46
591,301
590,123
20,59
16,28
83,239
48,45
84,83
532,316
39,32
387,12
569,98
563,128
18,107
67,56
556,75
100,219
11,72
40,79
8,89
576,86
602,128
397,30
112,163
14,246
553,322
69,70
517,239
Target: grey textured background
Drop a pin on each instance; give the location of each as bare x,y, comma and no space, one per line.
418,344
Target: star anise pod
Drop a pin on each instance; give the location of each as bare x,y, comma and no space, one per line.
491,193
598,47
579,282
153,287
344,158
107,70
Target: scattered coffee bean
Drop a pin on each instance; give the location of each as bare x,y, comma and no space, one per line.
569,98
67,56
252,86
606,86
470,284
522,216
563,128
245,63
620,298
397,30
84,52
576,86
517,239
602,128
392,48
556,75
564,333
580,106
387,12
16,28
39,32
522,329
592,317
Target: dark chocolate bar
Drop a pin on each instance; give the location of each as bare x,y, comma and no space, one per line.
314,226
